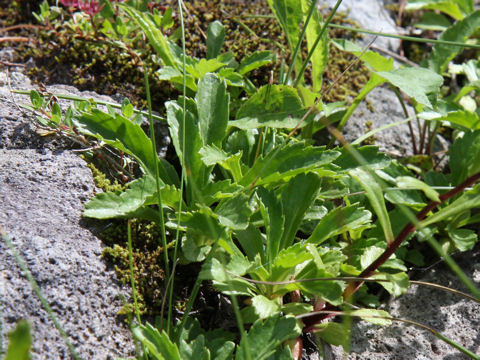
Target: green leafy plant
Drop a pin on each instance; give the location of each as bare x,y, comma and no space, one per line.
284,224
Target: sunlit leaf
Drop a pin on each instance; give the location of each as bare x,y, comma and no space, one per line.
251,240
372,59
369,255
374,194
463,239
215,38
291,160
289,14
274,219
398,284
276,106
153,33
158,345
174,75
369,154
338,221
411,182
212,155
203,66
319,58
264,307
194,349
432,21
454,8
296,197
330,291
213,109
255,60
139,193
121,133
334,333
427,83
223,281
235,212
194,167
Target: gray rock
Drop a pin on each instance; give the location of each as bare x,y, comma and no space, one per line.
382,108
453,316
43,187
371,15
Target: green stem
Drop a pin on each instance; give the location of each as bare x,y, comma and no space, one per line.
241,327
299,42
132,275
317,40
394,36
403,37
405,111
157,178
454,267
183,161
80,98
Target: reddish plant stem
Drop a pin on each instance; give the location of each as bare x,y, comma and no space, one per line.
391,248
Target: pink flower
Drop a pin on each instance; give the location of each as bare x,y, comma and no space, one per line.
69,3
91,7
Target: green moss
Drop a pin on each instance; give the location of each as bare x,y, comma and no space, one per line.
149,275
102,182
371,139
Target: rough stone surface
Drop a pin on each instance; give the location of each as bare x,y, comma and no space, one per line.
371,15
43,187
453,316
381,109
384,109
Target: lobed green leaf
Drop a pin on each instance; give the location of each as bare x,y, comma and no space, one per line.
287,162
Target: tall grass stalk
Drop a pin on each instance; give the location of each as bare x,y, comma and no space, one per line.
132,274
299,43
241,328
377,33
454,267
38,292
2,351
317,41
183,161
403,37
132,283
157,178
96,101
